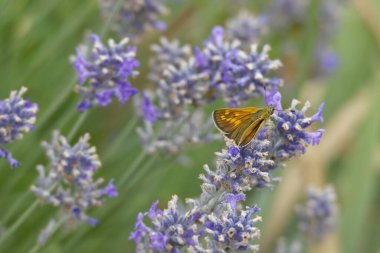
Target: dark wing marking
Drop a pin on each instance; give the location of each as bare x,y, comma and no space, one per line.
251,131
227,120
234,122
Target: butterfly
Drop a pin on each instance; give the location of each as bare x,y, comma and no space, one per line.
241,124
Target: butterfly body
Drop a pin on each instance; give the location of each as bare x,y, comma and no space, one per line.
241,124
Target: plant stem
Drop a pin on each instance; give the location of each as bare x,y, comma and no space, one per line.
37,246
120,139
136,163
18,222
77,125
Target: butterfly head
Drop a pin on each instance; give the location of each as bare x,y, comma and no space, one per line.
270,109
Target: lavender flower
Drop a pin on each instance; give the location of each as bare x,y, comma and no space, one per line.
221,69
247,28
290,127
17,116
171,229
235,75
216,219
318,216
68,181
135,17
196,230
240,169
106,71
167,53
233,231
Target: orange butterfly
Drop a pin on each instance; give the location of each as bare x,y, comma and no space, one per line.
241,124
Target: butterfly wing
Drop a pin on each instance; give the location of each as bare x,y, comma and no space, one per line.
233,122
251,131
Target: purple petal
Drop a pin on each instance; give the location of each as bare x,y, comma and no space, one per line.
110,190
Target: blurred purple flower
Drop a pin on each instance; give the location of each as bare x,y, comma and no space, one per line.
148,109
17,117
318,216
134,17
328,62
247,28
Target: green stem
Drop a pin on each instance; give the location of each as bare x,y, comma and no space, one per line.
77,125
120,139
18,222
36,248
136,163
140,173
19,201
55,105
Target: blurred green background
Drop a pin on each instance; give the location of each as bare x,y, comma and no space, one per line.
36,39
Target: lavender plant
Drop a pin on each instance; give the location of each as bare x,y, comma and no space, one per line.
68,181
106,70
318,215
217,221
135,17
221,69
232,66
17,117
247,28
167,53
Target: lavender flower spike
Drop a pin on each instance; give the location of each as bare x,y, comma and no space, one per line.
240,169
168,54
247,28
233,231
184,84
216,221
291,125
318,216
234,74
17,116
135,17
104,72
68,181
171,229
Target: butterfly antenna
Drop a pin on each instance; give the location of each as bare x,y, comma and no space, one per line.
265,95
